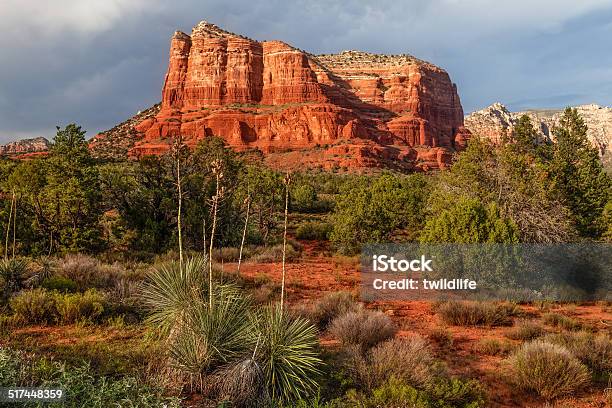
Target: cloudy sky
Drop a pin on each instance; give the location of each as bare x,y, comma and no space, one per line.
97,62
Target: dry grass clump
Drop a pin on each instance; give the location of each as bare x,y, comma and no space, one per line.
406,359
331,306
441,336
364,328
243,384
549,370
494,347
526,330
562,321
594,350
475,314
275,254
87,272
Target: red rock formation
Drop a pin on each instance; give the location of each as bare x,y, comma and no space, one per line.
25,148
276,98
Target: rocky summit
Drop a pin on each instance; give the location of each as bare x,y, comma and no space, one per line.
347,110
25,147
491,121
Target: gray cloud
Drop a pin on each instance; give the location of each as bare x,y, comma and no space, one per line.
97,62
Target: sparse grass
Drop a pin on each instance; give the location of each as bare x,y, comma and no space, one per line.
406,359
87,272
594,350
494,347
442,336
548,370
475,314
526,330
363,328
275,254
331,306
562,321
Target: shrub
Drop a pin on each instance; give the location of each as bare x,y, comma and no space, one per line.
287,354
275,254
313,231
526,330
82,387
394,393
60,284
75,307
408,360
549,370
474,314
363,328
458,393
442,336
88,272
562,321
494,347
34,306
594,350
332,305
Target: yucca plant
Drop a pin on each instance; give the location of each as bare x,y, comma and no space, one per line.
170,289
12,276
207,338
287,353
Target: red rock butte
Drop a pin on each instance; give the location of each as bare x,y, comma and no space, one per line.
351,110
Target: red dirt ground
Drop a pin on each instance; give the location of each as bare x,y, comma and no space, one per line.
317,273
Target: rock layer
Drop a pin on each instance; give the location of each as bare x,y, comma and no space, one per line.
273,97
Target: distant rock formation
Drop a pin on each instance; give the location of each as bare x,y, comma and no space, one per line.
491,121
352,109
25,147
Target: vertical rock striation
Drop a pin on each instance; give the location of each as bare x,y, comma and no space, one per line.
276,98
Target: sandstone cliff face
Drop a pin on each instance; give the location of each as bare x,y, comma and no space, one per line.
276,98
25,147
491,121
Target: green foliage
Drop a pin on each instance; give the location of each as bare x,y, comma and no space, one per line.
548,370
303,197
77,307
169,290
578,174
287,353
60,284
82,386
207,337
371,210
313,231
12,277
469,222
34,306
474,314
363,328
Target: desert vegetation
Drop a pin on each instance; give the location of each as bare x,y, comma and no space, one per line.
204,278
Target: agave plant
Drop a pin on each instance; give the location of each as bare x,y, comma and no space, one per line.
170,289
287,353
208,338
